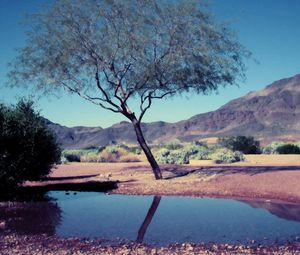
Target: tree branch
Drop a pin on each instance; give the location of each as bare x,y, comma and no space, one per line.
107,99
91,99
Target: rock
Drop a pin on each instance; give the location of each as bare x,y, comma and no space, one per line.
2,225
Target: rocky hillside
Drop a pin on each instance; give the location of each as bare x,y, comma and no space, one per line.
269,114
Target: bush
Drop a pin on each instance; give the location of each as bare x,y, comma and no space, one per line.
110,153
227,156
288,149
244,144
197,150
272,147
173,145
117,153
282,148
28,150
72,157
165,156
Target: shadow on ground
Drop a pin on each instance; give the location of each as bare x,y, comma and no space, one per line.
225,170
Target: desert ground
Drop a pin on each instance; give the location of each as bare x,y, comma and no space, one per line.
261,177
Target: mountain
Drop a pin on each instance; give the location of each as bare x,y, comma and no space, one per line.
269,114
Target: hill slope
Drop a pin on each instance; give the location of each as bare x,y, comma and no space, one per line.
269,114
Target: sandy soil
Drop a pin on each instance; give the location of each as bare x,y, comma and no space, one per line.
261,177
43,245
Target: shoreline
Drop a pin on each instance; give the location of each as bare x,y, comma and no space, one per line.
50,245
247,181
250,180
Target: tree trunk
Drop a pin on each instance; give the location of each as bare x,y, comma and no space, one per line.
148,219
141,140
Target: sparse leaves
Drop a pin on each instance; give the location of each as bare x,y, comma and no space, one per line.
109,52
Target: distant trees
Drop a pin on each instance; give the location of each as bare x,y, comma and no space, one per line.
110,52
245,144
27,149
282,148
288,149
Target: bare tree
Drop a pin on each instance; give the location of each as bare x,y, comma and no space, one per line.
111,52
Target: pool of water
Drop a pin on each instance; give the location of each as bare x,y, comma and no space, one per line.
153,220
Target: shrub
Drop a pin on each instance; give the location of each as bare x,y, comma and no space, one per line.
288,149
72,157
282,148
28,150
197,150
272,147
244,144
110,153
165,156
117,153
227,156
161,155
173,145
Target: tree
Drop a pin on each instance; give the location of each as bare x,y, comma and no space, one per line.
288,149
245,144
114,51
28,150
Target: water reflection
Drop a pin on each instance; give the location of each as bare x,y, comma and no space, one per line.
143,229
284,211
40,217
151,219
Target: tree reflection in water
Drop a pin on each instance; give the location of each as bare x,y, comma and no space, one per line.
148,219
31,217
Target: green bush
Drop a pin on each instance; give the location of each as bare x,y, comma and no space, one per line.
271,148
282,148
197,151
173,145
72,157
244,144
288,149
28,150
165,156
225,155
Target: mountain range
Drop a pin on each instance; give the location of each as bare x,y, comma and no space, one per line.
271,114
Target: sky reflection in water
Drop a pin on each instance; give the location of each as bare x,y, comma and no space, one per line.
154,220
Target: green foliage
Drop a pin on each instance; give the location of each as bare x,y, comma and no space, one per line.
150,48
173,145
282,148
109,153
165,156
28,150
272,147
244,144
225,155
194,150
197,150
288,149
72,157
129,49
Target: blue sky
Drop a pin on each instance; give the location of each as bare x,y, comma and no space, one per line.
270,29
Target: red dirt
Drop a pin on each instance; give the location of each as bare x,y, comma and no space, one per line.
244,180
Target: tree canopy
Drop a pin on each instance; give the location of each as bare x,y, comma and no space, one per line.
112,51
28,150
245,144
